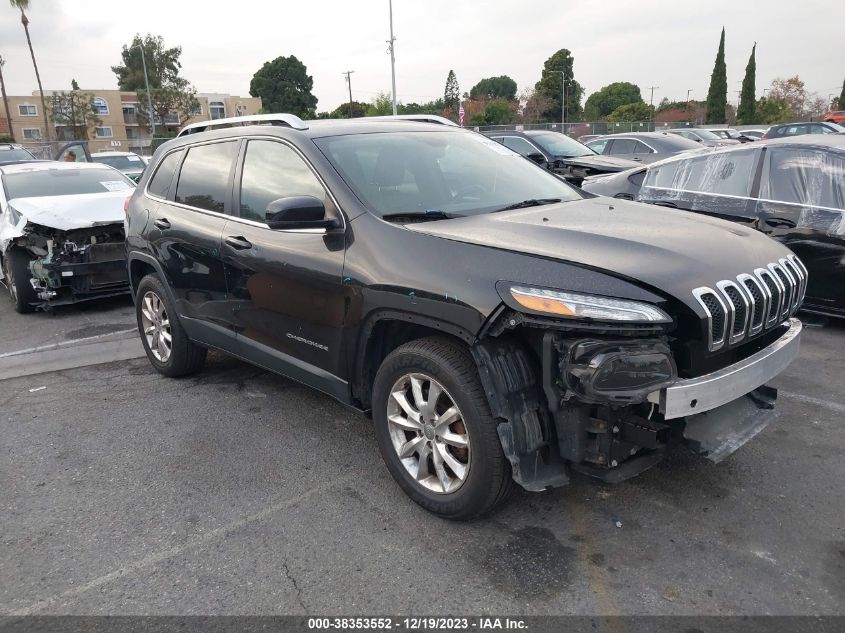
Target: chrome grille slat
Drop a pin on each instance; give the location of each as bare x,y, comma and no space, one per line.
737,310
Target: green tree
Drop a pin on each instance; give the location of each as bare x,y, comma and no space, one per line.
748,97
773,110
601,103
343,111
452,93
792,91
840,103
549,86
631,112
717,95
23,5
163,65
498,112
431,107
381,105
75,111
502,87
284,85
170,93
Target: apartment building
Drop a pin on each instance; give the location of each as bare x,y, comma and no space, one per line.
120,128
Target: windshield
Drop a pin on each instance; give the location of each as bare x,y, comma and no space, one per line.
123,163
450,172
64,182
560,145
10,155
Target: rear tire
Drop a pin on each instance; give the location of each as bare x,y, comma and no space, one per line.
167,345
16,273
451,464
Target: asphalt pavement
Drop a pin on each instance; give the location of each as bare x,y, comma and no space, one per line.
236,491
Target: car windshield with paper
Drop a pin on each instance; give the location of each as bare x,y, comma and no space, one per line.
440,174
65,182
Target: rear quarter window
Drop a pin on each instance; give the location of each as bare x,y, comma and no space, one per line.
163,177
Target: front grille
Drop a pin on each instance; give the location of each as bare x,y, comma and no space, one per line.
737,310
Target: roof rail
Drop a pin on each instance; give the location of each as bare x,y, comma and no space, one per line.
423,118
285,120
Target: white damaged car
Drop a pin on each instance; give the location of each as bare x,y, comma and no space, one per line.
62,232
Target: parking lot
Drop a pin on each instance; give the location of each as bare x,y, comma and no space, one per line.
240,492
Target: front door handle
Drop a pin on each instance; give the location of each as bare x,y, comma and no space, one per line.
162,223
238,242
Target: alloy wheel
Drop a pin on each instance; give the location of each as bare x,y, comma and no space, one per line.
156,326
428,432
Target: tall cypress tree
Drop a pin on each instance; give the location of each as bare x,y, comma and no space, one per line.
717,95
841,102
452,93
745,114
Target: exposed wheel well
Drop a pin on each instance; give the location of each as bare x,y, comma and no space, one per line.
384,337
139,269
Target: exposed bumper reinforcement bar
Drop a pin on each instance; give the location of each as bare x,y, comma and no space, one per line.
697,395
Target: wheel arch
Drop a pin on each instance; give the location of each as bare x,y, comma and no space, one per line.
141,265
381,333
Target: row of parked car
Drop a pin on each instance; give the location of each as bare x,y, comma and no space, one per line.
791,187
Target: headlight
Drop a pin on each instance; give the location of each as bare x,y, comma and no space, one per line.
583,306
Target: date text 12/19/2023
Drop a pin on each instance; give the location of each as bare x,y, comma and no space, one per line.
428,623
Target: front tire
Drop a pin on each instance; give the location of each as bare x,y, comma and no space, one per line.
17,275
167,345
435,430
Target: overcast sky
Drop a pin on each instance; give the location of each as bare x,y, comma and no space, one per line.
647,43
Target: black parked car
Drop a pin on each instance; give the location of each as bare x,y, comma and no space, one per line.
799,129
792,189
642,147
560,153
499,324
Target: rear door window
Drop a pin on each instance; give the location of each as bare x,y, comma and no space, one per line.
163,177
204,181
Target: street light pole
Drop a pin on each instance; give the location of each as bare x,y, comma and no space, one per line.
392,57
651,101
147,84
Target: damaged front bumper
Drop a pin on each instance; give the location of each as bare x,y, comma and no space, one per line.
599,415
97,272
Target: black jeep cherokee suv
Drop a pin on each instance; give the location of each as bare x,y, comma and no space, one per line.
498,324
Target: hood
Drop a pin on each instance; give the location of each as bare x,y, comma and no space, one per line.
670,250
67,213
601,163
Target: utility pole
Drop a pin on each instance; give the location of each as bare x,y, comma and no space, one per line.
349,81
391,46
651,102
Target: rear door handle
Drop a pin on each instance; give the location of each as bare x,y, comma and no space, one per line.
162,223
238,242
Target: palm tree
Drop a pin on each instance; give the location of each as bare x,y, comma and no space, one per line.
23,5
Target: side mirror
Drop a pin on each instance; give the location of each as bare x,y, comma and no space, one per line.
537,157
297,212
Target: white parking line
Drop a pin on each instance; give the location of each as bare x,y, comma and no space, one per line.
63,344
827,404
163,555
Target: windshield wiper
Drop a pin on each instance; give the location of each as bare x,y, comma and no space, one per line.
531,202
416,216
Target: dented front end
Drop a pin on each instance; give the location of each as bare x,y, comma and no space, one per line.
610,403
76,265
